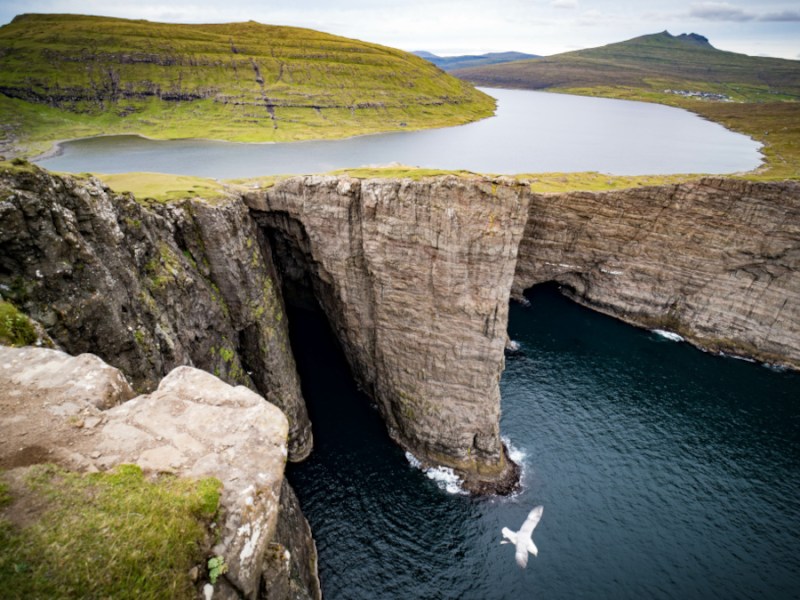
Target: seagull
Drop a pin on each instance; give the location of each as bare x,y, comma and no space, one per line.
523,539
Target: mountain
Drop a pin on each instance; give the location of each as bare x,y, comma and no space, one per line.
68,75
651,62
450,63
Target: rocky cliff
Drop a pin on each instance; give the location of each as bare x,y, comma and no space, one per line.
414,278
717,261
149,288
81,413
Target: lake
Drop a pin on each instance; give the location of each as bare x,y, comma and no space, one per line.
664,472
532,132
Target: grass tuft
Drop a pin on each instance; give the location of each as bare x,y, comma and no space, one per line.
16,329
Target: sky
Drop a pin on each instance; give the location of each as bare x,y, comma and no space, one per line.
451,27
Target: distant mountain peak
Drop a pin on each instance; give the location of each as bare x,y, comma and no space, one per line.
689,38
694,38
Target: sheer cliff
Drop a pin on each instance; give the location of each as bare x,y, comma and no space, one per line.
717,261
414,277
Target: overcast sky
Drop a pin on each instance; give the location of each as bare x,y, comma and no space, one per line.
446,27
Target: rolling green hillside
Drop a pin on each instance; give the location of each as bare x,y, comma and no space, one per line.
753,95
68,75
655,62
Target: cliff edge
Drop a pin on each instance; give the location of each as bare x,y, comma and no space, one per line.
414,277
81,413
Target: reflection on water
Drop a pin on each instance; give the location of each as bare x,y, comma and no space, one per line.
533,132
664,473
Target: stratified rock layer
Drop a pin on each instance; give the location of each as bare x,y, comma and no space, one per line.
149,288
717,261
414,278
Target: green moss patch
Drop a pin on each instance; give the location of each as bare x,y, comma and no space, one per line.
110,535
16,329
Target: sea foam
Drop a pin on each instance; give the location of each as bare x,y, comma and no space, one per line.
445,477
669,335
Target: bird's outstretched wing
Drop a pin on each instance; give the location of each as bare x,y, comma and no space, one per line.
522,556
526,530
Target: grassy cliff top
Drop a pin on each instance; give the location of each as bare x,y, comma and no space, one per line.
65,76
757,96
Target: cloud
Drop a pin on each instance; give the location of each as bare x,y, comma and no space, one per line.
720,11
564,4
783,16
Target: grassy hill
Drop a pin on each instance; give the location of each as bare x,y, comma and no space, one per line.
466,61
653,62
753,95
64,76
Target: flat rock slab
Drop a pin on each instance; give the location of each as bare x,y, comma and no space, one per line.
193,425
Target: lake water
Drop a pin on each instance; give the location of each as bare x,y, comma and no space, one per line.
664,473
532,132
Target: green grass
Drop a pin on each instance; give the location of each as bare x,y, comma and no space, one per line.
399,172
15,328
538,182
111,535
165,188
764,92
66,76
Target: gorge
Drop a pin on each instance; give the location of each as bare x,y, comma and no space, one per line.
414,277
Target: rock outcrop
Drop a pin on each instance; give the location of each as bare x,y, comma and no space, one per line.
149,288
717,261
414,278
194,425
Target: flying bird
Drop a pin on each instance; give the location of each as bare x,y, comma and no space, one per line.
523,539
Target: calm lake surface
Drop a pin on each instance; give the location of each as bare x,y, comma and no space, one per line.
532,132
664,473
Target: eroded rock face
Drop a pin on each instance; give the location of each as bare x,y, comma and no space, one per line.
193,425
717,261
414,278
149,289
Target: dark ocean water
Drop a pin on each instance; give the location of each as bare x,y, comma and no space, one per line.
664,473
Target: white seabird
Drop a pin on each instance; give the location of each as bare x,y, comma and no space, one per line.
523,539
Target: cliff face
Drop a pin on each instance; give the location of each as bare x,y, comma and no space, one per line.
149,289
717,261
414,278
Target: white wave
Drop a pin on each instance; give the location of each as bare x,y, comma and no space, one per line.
669,335
518,455
512,346
445,477
776,368
737,357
